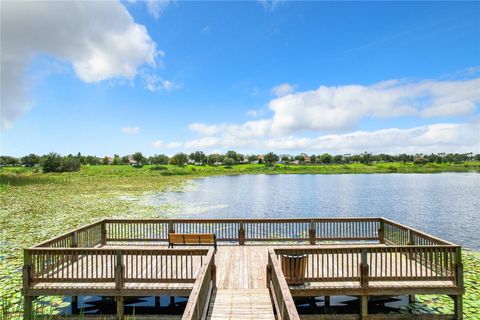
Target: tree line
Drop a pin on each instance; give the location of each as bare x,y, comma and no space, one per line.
53,162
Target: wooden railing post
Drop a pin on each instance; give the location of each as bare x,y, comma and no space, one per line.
364,269
27,300
241,234
74,239
269,274
214,273
27,265
411,239
459,267
312,232
171,228
103,233
119,270
381,232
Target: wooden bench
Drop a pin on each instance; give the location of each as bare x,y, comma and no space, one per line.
192,239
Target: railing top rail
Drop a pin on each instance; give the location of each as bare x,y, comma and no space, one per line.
374,247
169,251
237,220
69,233
418,232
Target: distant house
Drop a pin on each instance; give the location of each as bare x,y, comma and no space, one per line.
130,159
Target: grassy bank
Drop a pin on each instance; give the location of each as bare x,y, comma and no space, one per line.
36,206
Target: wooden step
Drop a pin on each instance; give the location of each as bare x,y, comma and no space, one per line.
242,304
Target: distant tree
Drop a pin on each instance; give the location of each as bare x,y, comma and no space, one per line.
92,160
338,158
9,161
300,158
367,158
105,160
31,160
116,159
326,158
213,158
159,159
125,160
271,158
70,163
179,159
199,157
420,161
285,159
232,154
55,163
313,158
227,161
252,158
138,158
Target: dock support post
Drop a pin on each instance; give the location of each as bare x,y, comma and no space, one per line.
241,234
363,307
312,232
157,303
172,300
411,298
120,307
74,305
327,301
27,307
458,306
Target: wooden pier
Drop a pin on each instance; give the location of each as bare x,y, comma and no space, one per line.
258,270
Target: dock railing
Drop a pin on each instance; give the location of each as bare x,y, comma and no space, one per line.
242,230
115,265
307,230
364,264
279,290
198,301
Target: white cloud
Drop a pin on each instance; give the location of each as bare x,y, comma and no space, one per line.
283,89
98,38
130,130
328,111
171,145
156,83
430,138
252,113
270,5
336,109
157,7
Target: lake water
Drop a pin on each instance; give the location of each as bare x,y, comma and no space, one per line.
446,204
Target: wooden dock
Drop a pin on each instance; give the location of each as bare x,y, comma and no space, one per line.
258,270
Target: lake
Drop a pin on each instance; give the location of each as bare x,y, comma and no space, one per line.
443,204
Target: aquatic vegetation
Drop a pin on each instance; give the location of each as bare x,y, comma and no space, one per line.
471,298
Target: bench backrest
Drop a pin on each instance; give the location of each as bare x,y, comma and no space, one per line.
191,238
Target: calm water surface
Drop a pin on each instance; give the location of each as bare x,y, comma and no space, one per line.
446,205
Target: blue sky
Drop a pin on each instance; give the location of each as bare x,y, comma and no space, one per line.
164,77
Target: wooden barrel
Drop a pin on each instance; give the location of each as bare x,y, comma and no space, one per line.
293,267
